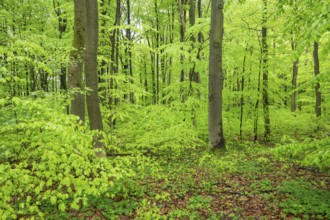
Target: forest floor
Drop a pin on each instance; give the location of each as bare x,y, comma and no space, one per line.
237,184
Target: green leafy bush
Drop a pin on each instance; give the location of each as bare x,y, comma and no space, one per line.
309,153
157,129
47,160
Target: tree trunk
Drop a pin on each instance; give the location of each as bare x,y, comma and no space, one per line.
93,107
294,93
216,76
157,53
317,86
242,95
265,71
75,81
200,15
182,12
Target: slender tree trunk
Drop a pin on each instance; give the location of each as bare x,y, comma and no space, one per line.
200,15
157,53
294,93
265,72
62,24
242,95
216,76
75,80
256,107
93,107
317,86
114,63
183,19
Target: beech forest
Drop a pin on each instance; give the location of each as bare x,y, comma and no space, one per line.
164,109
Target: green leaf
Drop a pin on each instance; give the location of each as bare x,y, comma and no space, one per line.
61,207
53,200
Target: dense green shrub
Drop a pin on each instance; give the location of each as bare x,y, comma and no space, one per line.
157,129
309,153
47,160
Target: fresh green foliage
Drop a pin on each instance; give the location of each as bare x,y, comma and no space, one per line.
303,200
47,160
157,129
314,153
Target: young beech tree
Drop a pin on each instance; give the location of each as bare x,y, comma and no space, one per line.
265,99
216,76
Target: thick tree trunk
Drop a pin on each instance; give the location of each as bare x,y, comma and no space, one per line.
216,76
317,86
265,72
93,107
75,80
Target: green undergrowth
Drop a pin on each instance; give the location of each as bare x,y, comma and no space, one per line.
211,184
159,167
312,153
48,166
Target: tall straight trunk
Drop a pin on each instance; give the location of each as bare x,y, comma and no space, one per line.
114,56
62,24
104,65
216,76
129,48
193,74
294,93
172,30
182,12
200,15
242,95
93,107
256,107
317,86
75,79
265,100
153,74
157,54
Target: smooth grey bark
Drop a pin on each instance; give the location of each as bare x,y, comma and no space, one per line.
75,79
318,98
216,76
265,99
91,45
